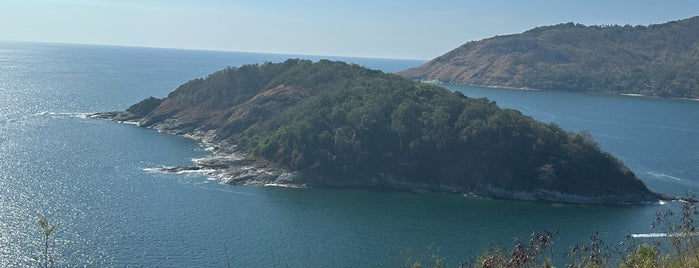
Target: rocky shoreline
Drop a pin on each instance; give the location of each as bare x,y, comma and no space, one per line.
225,162
236,168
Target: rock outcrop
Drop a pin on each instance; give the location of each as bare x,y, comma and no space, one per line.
331,124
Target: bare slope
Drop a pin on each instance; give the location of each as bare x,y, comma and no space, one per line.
657,60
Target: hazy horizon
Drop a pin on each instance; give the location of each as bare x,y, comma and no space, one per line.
387,29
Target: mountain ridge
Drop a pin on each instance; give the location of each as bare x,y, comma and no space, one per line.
656,60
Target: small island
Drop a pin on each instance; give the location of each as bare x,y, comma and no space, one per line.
657,60
331,124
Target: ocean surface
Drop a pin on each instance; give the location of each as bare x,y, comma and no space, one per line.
90,177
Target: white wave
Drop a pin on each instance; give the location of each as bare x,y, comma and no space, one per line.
660,175
284,185
657,235
198,160
171,170
667,127
542,115
153,170
62,114
648,235
197,171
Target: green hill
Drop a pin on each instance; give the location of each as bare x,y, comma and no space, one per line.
341,125
656,60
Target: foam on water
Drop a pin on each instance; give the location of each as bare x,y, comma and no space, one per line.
62,114
172,170
661,175
658,235
546,116
153,170
284,185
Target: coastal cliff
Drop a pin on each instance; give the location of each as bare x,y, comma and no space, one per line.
332,124
657,60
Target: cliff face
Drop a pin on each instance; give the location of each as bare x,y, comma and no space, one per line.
338,125
657,60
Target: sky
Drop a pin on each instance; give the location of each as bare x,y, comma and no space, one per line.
408,29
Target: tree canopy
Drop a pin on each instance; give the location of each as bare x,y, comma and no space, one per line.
342,124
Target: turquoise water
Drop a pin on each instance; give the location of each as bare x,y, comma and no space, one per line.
657,138
88,175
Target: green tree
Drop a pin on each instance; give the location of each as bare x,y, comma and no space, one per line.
47,229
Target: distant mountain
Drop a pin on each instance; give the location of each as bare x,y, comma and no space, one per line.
332,124
656,60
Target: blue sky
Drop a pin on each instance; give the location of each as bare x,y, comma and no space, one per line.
366,28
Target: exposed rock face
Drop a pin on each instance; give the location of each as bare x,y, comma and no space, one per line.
657,60
330,124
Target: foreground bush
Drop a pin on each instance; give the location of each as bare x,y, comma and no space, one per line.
677,247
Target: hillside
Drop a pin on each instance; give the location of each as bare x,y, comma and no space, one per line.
332,124
656,60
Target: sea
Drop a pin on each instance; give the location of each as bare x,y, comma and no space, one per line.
94,181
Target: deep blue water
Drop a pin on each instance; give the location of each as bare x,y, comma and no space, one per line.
88,175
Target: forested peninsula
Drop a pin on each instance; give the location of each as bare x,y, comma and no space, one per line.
656,60
333,124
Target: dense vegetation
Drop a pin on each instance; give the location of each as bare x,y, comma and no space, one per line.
345,125
658,60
